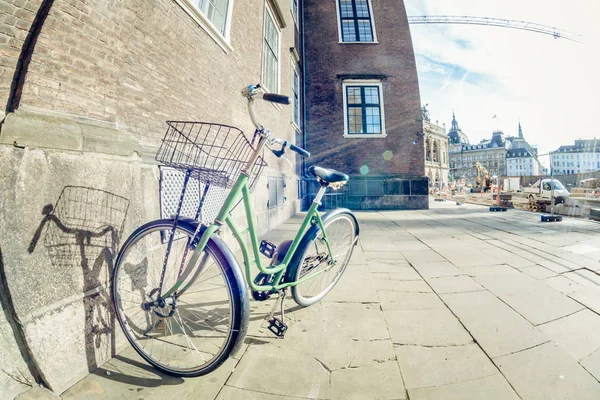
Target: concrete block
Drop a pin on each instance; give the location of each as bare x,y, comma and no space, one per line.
493,387
541,306
576,333
505,333
548,372
249,374
374,380
434,327
436,366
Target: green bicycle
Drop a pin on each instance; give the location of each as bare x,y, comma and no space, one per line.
178,291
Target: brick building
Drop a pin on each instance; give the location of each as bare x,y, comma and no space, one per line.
362,102
85,90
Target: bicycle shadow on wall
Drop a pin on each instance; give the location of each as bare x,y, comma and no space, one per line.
82,230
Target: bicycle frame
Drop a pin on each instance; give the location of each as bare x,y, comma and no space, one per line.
240,188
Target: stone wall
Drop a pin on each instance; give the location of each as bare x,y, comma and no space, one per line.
84,112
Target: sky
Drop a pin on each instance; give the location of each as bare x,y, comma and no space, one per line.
552,86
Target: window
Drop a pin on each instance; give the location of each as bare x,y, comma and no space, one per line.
295,95
356,21
270,71
214,16
363,109
295,10
215,11
276,186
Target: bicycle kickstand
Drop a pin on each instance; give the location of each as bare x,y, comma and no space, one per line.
276,325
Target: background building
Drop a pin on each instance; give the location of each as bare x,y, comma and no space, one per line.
86,87
362,102
436,154
490,154
521,158
583,156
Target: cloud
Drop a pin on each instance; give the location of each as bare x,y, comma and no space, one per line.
551,85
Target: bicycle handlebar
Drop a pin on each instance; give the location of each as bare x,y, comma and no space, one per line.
293,147
250,92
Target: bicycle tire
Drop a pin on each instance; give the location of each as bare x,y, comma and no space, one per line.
341,243
192,333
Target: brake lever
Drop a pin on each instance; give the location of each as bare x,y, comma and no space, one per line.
279,153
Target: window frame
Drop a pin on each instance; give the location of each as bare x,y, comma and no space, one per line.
363,83
271,15
296,104
371,18
295,11
223,39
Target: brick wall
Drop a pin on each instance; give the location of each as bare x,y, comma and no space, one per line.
102,79
393,57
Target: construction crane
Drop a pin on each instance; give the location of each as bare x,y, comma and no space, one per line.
487,21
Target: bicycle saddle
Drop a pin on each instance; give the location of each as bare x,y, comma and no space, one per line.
328,175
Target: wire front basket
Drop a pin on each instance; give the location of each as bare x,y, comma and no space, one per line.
213,153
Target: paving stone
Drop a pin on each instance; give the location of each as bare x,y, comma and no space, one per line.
436,366
233,393
557,267
355,285
437,269
383,255
402,286
127,375
419,257
542,305
404,274
250,373
505,285
501,269
434,327
387,266
563,284
391,300
454,284
592,364
493,387
339,335
372,381
504,333
548,372
584,277
538,272
578,333
589,297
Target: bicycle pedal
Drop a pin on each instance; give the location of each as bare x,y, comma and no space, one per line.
267,248
278,327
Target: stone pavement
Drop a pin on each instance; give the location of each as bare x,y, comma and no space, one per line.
454,302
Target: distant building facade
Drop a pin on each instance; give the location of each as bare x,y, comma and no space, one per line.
582,156
463,156
522,158
436,154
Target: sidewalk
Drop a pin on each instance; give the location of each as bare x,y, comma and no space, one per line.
454,302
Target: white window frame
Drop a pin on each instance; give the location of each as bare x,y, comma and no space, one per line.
362,82
294,69
271,15
223,40
339,18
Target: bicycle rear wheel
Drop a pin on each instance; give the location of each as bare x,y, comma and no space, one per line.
193,330
312,256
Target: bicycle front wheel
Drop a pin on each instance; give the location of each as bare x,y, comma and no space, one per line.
313,258
188,332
